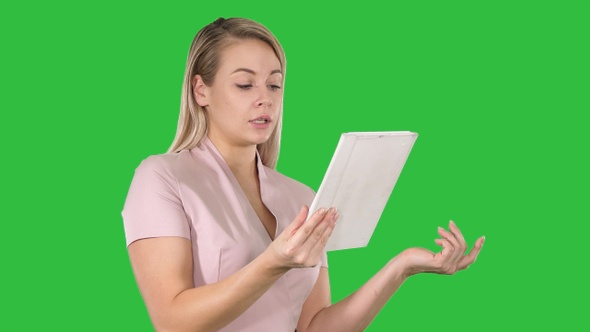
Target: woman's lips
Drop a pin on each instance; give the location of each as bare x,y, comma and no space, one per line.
261,122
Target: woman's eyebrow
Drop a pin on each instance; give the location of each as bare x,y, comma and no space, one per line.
247,70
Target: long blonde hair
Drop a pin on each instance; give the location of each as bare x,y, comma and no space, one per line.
203,59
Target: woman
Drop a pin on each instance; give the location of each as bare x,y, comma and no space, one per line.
217,238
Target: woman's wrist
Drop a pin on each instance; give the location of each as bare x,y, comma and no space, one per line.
397,267
271,264
403,264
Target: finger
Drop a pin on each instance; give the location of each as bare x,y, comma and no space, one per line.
297,222
472,256
458,235
447,248
325,236
448,236
303,232
460,241
458,249
318,249
319,230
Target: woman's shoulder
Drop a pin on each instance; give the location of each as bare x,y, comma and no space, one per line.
172,167
287,182
164,162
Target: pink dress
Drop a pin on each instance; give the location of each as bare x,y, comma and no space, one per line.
193,194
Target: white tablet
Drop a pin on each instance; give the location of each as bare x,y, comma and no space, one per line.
359,181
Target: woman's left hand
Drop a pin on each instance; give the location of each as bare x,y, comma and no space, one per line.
451,259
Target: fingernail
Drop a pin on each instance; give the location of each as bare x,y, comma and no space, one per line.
336,215
302,208
440,228
334,211
452,222
322,211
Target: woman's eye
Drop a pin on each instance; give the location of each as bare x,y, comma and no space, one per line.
275,87
244,86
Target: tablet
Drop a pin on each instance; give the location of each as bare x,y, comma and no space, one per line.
359,181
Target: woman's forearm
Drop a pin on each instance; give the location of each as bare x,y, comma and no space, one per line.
164,271
211,307
355,312
163,268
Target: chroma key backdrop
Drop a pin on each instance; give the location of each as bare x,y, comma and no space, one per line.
499,92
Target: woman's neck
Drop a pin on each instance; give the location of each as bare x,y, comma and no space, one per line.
240,159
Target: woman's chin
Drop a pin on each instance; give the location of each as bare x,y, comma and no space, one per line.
260,138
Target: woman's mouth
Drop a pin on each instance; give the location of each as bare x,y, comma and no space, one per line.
261,121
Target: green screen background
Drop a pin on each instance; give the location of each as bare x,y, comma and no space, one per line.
497,90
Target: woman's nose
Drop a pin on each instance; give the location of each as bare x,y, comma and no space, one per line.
264,98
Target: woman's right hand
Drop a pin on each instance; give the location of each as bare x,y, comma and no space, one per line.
302,243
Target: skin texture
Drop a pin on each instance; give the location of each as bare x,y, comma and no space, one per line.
248,85
355,312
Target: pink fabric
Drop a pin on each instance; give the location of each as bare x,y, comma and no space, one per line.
193,194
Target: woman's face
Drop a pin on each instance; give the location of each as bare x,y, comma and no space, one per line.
245,100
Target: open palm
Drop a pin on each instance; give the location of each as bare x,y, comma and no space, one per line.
449,260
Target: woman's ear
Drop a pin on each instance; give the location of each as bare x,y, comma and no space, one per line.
199,92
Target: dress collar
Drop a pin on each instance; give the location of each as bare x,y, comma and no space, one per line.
208,145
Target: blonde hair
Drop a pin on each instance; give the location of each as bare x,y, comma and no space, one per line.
203,59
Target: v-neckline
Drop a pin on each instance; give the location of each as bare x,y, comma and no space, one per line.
260,174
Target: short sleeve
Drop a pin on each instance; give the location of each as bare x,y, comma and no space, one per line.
153,207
